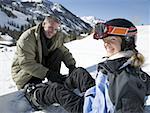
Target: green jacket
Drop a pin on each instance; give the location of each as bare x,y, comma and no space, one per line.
28,56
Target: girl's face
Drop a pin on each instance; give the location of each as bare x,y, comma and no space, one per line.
112,45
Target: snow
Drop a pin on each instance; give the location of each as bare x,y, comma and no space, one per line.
31,0
6,83
6,37
87,52
20,20
57,7
91,20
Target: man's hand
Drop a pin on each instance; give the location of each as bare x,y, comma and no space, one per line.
55,77
71,68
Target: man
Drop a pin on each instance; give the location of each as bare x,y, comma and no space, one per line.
39,54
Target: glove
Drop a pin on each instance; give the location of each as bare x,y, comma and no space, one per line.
55,77
71,68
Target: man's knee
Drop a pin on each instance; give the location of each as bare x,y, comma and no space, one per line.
80,69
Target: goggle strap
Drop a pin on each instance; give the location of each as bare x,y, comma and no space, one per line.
132,33
132,29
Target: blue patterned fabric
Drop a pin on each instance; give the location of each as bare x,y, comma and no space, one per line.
97,99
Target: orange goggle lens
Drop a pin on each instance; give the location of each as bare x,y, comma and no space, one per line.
117,30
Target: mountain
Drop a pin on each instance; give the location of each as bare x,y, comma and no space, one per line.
91,20
17,16
31,0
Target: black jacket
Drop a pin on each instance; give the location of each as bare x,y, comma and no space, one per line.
128,85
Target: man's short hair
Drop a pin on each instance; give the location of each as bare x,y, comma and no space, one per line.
51,18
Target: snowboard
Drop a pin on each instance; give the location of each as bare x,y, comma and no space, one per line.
16,102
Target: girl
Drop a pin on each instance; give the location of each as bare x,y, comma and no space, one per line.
121,85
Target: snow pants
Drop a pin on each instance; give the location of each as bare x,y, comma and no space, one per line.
63,94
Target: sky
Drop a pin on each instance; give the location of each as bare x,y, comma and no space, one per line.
137,11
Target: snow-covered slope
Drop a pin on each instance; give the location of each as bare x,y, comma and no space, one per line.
6,21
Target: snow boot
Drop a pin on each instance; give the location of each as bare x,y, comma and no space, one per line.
30,94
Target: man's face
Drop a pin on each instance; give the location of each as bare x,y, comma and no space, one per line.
112,44
50,29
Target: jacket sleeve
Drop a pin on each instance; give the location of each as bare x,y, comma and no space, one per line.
89,99
67,57
27,56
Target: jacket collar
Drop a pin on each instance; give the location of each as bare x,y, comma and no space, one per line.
121,54
116,62
38,30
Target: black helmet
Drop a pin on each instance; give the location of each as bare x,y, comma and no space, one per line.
118,27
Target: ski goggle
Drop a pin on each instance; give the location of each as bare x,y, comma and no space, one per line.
102,30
